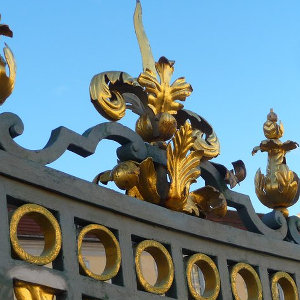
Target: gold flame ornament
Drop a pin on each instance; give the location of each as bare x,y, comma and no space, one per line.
279,188
7,83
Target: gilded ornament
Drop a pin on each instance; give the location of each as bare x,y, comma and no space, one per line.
125,175
253,283
7,83
287,284
278,189
29,291
210,145
50,228
162,95
154,98
112,251
207,200
105,94
210,273
182,167
145,49
164,263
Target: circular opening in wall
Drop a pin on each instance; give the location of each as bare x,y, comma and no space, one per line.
110,264
202,277
45,224
162,282
244,276
283,287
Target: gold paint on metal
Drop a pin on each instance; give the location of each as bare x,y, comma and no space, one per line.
182,167
49,226
29,291
145,49
207,200
165,267
162,95
112,251
125,175
107,100
278,188
287,284
155,103
138,179
210,146
211,277
148,181
253,283
7,83
160,127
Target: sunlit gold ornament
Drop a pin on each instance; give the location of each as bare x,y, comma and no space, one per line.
162,95
160,127
154,98
182,167
7,83
29,291
278,189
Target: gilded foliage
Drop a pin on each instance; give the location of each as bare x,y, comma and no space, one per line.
182,166
162,95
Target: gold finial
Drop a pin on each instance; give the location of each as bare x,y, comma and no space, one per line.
272,130
279,188
7,83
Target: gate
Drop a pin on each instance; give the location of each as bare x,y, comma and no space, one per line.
159,214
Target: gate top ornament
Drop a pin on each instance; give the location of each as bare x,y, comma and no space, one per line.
164,156
161,119
7,82
279,188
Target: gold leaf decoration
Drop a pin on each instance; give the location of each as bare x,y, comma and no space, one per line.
147,181
210,145
209,200
107,100
182,166
7,83
29,291
162,95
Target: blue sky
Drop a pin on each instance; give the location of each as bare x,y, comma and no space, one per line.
241,57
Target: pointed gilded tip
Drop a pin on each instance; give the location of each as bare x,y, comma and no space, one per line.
272,116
